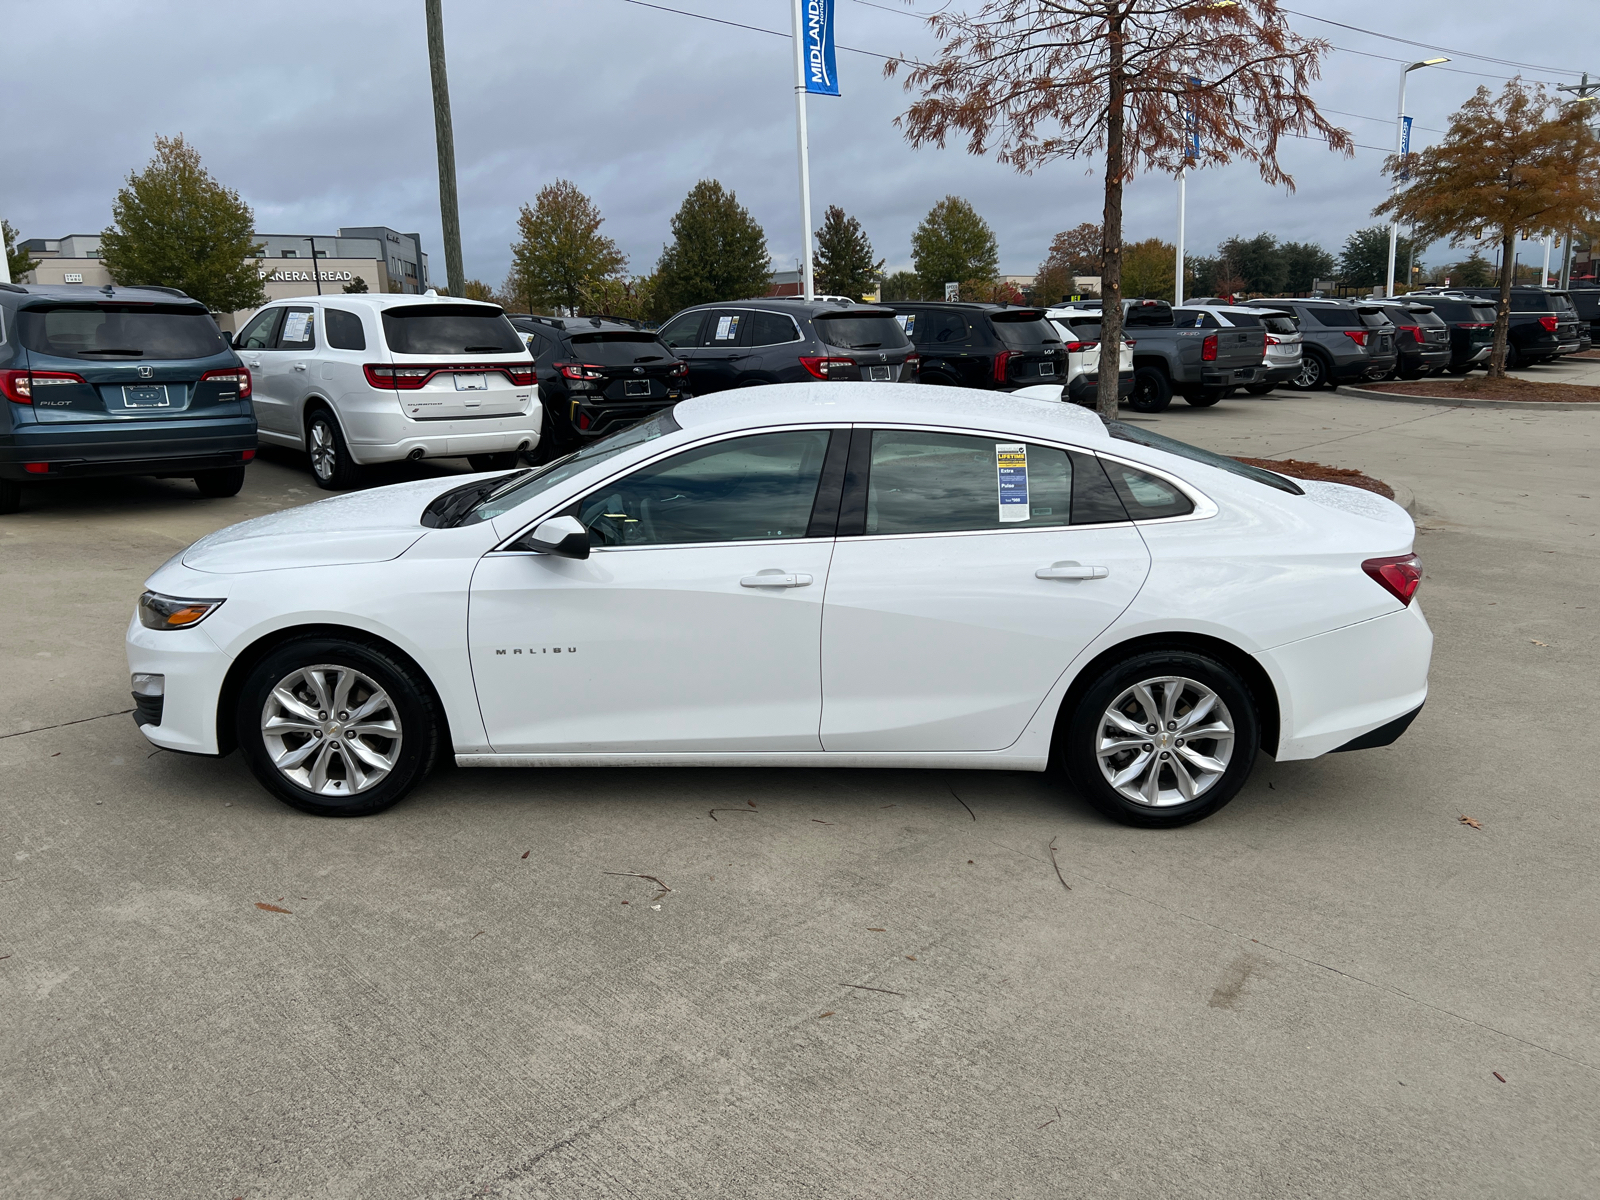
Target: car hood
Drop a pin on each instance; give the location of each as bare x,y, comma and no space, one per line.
362,527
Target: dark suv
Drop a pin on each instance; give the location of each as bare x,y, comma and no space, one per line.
1422,339
1543,324
1470,322
597,376
118,381
994,346
745,343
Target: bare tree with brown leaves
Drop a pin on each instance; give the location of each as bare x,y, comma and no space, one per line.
1041,80
1509,162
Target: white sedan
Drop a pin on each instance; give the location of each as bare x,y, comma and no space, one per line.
800,576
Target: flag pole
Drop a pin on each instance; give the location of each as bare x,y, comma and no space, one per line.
806,288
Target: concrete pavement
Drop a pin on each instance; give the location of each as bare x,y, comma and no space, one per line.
854,988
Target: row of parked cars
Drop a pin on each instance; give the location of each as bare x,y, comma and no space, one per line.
129,381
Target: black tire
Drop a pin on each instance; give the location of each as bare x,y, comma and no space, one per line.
1083,730
218,485
1314,373
493,462
331,465
937,381
411,706
1259,389
1152,390
1206,398
10,497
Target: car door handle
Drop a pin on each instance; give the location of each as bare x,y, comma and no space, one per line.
299,366
254,362
1071,570
775,579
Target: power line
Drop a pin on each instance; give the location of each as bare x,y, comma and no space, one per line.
683,12
1503,62
1380,120
1448,70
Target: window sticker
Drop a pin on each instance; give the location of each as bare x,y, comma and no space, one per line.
1011,471
296,326
727,328
908,322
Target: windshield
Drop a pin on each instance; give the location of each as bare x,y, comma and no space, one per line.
450,329
1025,330
485,499
875,331
615,349
1143,437
114,332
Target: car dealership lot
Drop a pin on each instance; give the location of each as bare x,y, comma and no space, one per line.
1308,993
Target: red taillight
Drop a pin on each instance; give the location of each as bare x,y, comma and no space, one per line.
1272,341
238,376
410,378
573,370
18,385
1549,324
1000,361
1129,343
36,468
1414,330
1476,325
246,455
379,376
679,369
1208,348
583,420
1358,336
520,376
820,366
1080,347
914,361
1399,576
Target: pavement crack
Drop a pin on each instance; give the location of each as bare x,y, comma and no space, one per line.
121,712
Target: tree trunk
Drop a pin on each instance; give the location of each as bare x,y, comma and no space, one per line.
1111,229
1502,312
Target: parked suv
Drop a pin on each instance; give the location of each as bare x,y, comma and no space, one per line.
1341,340
994,346
1586,301
1470,322
1422,339
354,380
118,381
597,376
745,343
1543,323
1080,332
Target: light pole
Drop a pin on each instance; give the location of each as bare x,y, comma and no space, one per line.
807,285
1400,148
1583,92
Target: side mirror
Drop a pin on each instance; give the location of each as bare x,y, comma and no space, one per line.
565,537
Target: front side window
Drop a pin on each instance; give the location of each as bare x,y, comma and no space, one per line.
945,482
450,329
344,329
257,335
299,330
937,328
682,333
745,489
117,332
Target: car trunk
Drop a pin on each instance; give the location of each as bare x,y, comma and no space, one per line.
632,368
455,361
1034,351
873,340
126,360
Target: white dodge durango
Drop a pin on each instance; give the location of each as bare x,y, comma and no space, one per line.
365,379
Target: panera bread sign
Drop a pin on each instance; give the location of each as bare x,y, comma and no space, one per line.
303,276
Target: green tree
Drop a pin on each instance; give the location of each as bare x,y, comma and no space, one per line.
1473,271
952,245
560,250
1072,253
1257,261
845,266
173,225
1149,269
636,299
903,285
1303,264
356,287
1364,262
477,289
718,252
19,261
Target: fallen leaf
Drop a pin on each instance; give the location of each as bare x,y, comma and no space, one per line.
476,935
57,754
624,901
829,1013
1537,642
1498,1076
751,803
1473,821
969,862
871,929
525,853
911,958
815,821
273,908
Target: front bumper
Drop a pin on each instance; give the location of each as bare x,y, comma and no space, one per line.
186,718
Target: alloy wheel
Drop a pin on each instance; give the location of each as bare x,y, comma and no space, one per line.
324,453
331,730
1165,741
1310,373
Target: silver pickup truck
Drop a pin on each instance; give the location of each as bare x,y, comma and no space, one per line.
1201,365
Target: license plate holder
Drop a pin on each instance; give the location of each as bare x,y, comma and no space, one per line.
1047,368
146,395
471,383
879,374
636,387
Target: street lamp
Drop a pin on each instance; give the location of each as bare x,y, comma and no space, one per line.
1400,148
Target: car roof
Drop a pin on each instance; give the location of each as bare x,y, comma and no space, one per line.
381,299
1252,309
809,308
89,293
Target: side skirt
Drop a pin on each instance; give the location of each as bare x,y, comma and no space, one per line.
960,762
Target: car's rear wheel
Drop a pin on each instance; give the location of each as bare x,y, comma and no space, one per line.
218,485
10,497
1162,739
1259,389
492,462
1313,374
1152,390
331,464
1206,398
337,728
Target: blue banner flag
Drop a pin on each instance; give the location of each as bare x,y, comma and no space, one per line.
822,79
1405,147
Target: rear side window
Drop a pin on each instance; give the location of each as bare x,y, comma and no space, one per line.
875,331
1144,437
1539,302
1024,333
344,330
945,482
120,333
682,333
1336,318
449,329
1146,497
619,349
772,329
936,328
723,328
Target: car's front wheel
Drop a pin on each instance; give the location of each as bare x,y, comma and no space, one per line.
331,464
337,728
220,484
1162,739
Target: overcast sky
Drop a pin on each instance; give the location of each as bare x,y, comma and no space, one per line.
320,115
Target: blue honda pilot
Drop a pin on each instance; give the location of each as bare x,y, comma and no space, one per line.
118,381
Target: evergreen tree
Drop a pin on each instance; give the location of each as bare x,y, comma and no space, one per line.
953,245
19,261
1257,261
903,285
561,250
176,226
1303,264
718,252
1473,271
1149,269
844,264
1364,263
356,287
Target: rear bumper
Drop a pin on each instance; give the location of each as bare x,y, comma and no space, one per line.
172,448
1284,373
1086,387
1367,368
1232,376
1424,359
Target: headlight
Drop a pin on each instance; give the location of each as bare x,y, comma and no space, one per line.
168,612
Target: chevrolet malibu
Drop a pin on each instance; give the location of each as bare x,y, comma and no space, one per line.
795,576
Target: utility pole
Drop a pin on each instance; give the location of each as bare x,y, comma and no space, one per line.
1581,92
5,263
1402,146
807,280
449,210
